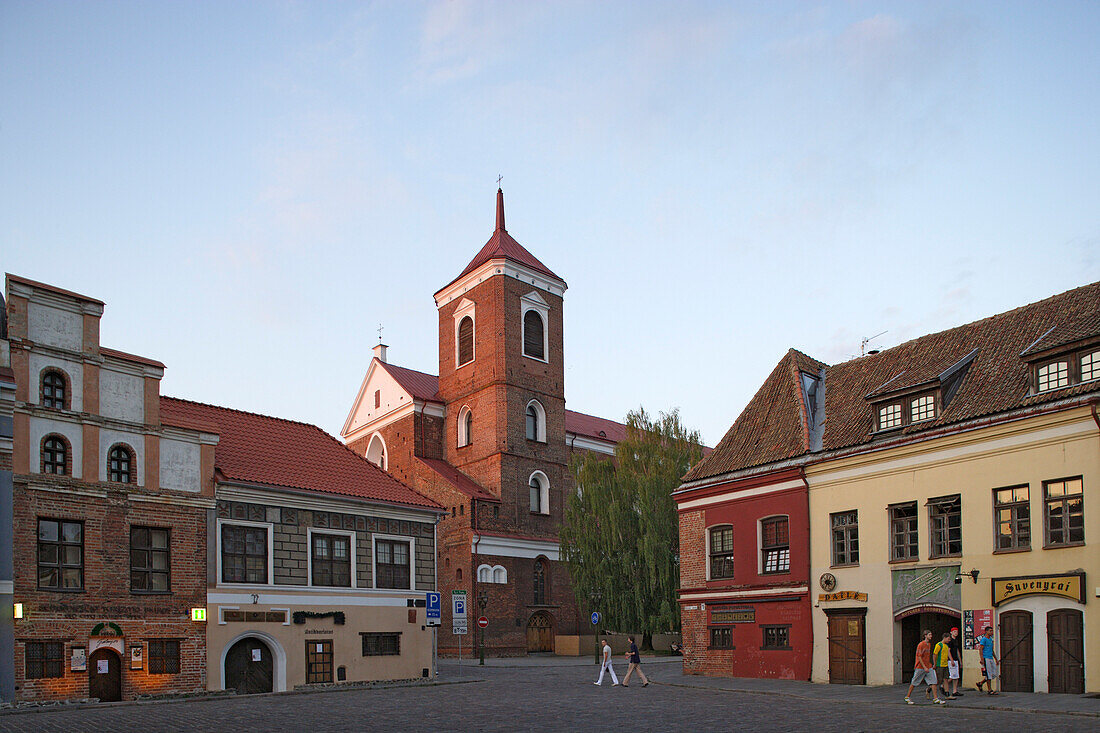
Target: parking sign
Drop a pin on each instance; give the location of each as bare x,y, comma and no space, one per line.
433,608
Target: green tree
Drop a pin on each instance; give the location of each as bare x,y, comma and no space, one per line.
621,538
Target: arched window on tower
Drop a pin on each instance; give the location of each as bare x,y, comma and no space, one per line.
539,576
465,340
465,426
536,421
540,493
533,335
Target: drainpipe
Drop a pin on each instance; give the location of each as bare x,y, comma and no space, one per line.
1095,414
474,556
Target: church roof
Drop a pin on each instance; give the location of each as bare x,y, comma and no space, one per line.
288,454
458,480
502,246
419,385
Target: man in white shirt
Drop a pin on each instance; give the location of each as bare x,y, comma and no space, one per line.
605,666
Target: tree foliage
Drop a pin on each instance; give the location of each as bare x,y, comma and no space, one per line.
621,536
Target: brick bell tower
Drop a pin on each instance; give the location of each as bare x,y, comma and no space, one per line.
502,379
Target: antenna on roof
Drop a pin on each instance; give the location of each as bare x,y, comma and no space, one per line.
380,333
867,340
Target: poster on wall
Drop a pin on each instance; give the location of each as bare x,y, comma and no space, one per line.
79,661
135,657
974,623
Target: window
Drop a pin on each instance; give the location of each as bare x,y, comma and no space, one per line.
775,545
149,560
381,644
536,421
318,662
484,574
1090,366
539,576
377,398
1053,375
1012,515
540,494
903,531
889,416
392,564
845,527
500,574
721,552
945,521
376,451
465,340
60,555
120,461
776,637
721,637
1064,512
533,342
44,659
465,426
244,554
922,408
54,392
55,455
164,656
331,560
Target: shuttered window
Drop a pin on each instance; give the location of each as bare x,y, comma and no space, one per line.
533,335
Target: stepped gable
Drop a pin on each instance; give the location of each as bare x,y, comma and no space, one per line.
989,356
284,453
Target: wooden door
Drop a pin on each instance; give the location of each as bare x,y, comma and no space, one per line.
540,633
846,649
105,675
1065,651
1017,661
249,667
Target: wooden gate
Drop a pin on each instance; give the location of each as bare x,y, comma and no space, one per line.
1065,651
105,675
1017,655
249,667
847,649
540,633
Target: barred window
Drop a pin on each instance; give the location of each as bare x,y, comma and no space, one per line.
721,637
775,545
60,555
1012,512
120,465
331,560
381,644
1064,511
164,656
44,659
150,565
776,637
54,392
721,552
903,531
1053,375
889,416
945,520
845,526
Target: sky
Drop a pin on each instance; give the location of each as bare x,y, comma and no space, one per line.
254,187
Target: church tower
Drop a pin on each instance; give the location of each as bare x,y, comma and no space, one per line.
501,378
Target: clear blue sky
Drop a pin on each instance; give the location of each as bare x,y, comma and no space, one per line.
253,187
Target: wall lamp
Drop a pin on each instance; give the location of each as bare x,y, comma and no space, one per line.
972,573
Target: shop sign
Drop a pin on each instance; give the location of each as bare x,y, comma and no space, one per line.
925,586
733,615
1070,585
843,595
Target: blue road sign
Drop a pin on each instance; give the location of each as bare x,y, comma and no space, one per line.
595,617
433,606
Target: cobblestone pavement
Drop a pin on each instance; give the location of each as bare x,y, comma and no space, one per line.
530,698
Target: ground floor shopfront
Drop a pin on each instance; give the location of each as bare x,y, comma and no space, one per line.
283,640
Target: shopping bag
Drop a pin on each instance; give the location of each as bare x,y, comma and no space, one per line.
953,670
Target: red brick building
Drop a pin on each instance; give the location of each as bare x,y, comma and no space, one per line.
109,504
744,538
489,439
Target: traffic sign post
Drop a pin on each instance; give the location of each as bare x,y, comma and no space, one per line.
433,607
482,622
596,634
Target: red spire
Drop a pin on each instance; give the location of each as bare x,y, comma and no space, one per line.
500,211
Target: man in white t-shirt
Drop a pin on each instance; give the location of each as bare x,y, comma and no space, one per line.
605,665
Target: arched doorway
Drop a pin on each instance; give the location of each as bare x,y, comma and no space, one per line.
105,675
249,667
540,633
924,618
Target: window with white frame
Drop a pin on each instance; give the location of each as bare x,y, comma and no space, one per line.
535,319
500,574
465,426
1090,366
1053,375
889,416
484,574
922,408
536,421
330,559
539,487
376,451
464,332
244,553
775,545
392,563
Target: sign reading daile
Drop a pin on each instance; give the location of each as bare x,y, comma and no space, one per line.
1069,585
843,595
733,615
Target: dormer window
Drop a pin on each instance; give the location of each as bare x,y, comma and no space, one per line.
889,416
1090,366
922,408
906,411
1053,375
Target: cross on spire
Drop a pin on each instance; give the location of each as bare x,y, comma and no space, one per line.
379,333
499,179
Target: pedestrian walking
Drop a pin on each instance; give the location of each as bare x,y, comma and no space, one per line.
955,667
605,666
635,664
989,662
923,670
941,656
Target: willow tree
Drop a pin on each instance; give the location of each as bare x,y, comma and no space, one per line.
621,536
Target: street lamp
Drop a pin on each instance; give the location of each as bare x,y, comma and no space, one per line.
595,597
482,602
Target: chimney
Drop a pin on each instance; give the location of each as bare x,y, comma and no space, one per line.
380,352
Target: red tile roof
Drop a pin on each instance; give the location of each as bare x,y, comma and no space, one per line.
52,289
591,426
772,426
283,453
422,386
130,357
458,480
